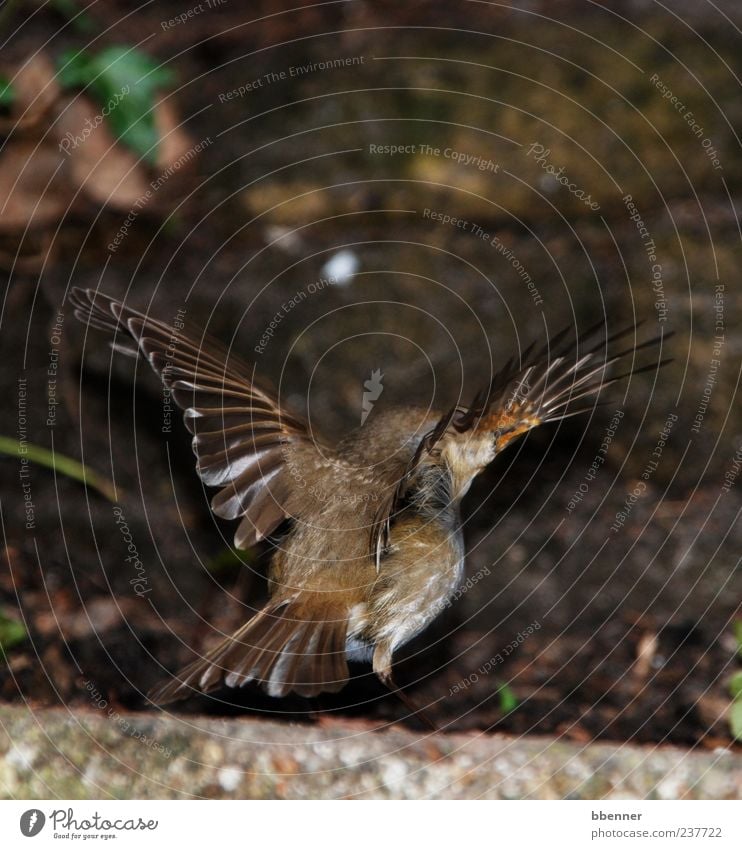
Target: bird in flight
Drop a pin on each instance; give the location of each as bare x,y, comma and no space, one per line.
374,548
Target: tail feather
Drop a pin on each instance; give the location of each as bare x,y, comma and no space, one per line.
266,643
281,648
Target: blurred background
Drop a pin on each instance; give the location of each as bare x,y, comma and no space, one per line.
420,189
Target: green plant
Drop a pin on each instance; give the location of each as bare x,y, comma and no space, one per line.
60,463
7,95
124,81
507,698
12,632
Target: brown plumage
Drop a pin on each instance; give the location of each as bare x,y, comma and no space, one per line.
375,550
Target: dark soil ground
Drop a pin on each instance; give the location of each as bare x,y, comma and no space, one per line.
567,628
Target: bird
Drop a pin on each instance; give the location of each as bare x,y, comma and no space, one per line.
371,548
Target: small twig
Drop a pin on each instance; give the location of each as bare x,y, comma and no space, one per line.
646,650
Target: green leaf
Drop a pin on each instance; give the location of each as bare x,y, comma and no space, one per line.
7,95
74,68
12,632
124,82
60,463
735,685
735,719
738,635
508,699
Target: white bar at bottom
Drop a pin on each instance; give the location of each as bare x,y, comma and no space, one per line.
361,824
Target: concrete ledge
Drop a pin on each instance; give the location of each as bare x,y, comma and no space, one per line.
52,753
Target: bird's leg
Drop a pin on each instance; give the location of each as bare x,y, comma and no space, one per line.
382,664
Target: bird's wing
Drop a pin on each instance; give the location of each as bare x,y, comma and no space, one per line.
242,438
543,384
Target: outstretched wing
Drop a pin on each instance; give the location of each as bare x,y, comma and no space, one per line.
543,384
242,438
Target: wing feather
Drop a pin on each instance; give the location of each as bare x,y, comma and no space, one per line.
241,436
540,386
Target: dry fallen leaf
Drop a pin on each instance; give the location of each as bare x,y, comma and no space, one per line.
34,183
110,174
36,91
646,650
